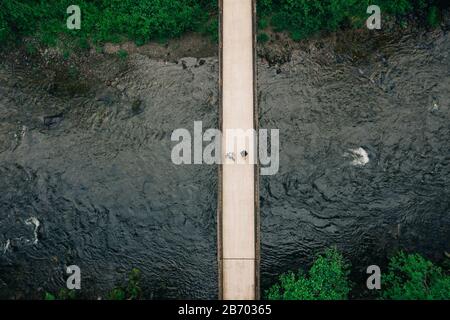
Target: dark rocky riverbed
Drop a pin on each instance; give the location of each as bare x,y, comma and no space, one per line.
86,176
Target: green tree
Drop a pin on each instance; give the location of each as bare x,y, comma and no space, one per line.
412,277
326,280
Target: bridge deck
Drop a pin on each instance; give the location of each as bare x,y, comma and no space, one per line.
238,232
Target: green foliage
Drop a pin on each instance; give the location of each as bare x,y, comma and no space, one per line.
397,7
263,23
263,37
145,20
103,20
63,294
212,29
123,54
4,28
326,280
412,277
303,18
264,7
446,262
131,291
117,294
433,17
409,277
49,296
31,49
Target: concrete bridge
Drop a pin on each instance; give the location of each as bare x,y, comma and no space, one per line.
238,211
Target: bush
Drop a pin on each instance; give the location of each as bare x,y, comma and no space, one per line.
264,7
212,29
326,280
412,277
263,37
131,291
263,23
122,54
433,17
63,294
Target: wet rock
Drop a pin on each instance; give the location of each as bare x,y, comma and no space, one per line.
359,156
136,106
188,62
106,96
53,120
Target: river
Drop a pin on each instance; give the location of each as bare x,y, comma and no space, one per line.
86,176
